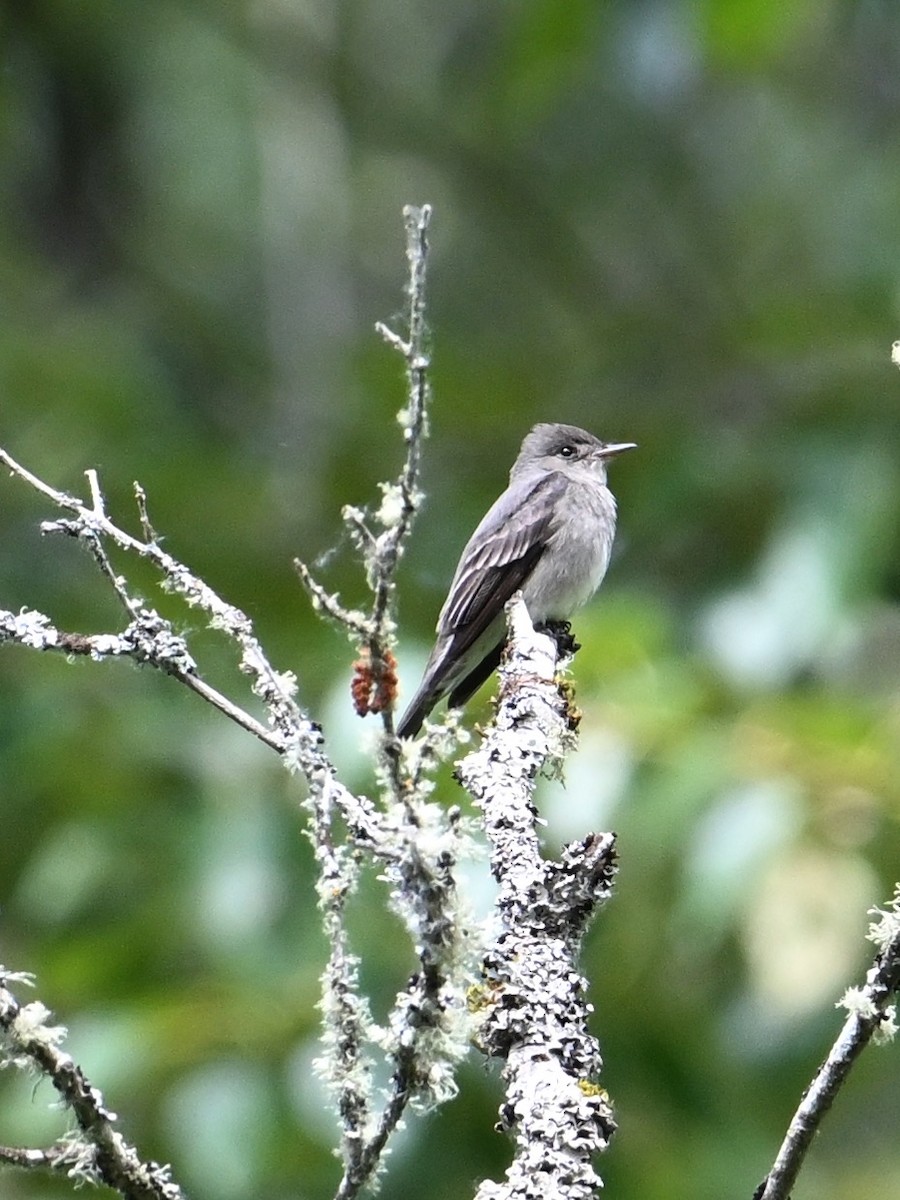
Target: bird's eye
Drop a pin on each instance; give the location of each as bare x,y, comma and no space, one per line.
567,451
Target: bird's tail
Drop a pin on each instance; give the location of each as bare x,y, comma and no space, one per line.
418,709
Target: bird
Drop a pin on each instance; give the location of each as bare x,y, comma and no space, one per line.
549,535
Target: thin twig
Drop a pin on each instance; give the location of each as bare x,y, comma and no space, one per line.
415,427
329,603
381,552
91,525
141,498
424,882
147,641
103,1155
871,1014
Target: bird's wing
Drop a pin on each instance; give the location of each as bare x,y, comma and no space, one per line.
497,561
499,558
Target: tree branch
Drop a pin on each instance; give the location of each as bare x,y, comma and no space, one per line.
100,1154
375,682
531,1007
416,842
149,640
871,1015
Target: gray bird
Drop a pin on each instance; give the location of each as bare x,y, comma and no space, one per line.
549,535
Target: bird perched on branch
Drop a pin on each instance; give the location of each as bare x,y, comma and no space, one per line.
549,535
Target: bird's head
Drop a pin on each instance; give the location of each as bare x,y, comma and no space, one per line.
568,449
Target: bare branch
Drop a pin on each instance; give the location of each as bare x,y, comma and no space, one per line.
426,1037
151,640
871,1014
397,343
140,496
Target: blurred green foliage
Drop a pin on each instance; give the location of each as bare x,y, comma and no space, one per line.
668,221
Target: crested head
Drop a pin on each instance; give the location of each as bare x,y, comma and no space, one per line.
553,447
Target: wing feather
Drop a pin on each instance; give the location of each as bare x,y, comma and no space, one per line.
499,558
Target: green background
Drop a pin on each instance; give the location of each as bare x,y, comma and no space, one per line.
671,221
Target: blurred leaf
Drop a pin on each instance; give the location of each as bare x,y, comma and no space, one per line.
747,32
545,53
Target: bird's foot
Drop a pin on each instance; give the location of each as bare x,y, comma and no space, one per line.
561,632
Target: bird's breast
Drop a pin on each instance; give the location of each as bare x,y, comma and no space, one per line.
573,565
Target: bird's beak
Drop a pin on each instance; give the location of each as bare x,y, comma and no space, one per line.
615,448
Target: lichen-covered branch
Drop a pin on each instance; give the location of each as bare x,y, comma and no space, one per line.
97,1153
400,501
415,843
871,1015
419,842
427,1033
151,640
531,1007
379,538
148,639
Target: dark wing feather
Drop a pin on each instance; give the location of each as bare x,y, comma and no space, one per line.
497,561
499,558
466,688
